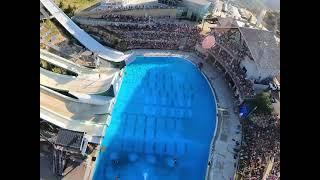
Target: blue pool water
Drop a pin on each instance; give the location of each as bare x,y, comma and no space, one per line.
162,123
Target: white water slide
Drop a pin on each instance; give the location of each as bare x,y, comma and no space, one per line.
83,37
89,81
71,113
84,111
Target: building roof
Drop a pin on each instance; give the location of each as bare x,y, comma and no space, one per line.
264,49
227,22
196,2
68,138
217,7
278,78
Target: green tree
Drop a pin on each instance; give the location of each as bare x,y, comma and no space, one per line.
61,5
263,102
69,10
44,64
57,70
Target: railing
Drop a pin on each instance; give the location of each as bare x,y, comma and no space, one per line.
241,96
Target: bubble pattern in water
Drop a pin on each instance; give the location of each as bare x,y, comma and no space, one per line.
162,123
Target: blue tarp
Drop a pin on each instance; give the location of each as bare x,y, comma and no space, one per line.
244,111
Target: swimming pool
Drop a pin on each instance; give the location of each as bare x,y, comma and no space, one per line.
162,123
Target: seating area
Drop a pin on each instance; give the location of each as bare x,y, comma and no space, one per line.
231,41
127,32
137,7
229,55
131,19
260,147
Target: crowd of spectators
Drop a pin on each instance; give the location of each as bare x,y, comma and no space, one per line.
132,19
133,32
231,64
201,55
260,144
231,40
136,7
127,32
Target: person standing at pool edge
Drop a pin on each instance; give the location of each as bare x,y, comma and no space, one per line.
200,65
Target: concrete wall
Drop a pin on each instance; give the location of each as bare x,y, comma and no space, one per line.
138,13
198,9
150,12
252,69
258,88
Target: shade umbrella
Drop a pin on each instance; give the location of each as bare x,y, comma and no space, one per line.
208,42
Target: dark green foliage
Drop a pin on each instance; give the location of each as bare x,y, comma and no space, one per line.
69,10
61,5
56,69
44,64
263,102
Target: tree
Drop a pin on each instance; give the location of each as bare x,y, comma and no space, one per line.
69,10
57,70
44,64
263,102
42,46
61,5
